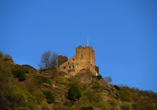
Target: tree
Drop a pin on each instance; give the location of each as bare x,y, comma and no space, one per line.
53,60
108,79
1,55
7,56
48,60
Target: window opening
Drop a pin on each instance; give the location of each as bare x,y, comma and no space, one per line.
64,67
73,66
81,56
73,59
69,66
68,63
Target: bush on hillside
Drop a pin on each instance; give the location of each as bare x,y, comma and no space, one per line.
101,105
19,97
74,93
61,80
99,77
7,56
125,94
87,108
117,87
70,104
98,87
1,55
113,102
19,73
44,80
75,82
49,97
126,107
93,97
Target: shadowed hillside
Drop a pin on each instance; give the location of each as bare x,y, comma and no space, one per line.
24,88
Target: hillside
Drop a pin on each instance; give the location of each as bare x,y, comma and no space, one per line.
23,87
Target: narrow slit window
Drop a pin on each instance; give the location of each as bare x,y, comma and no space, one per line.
73,66
82,56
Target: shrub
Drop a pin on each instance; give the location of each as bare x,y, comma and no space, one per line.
76,82
113,102
74,93
70,104
117,87
99,77
126,107
7,56
63,81
49,96
19,97
19,73
125,94
1,55
102,105
44,80
98,87
84,99
93,97
87,108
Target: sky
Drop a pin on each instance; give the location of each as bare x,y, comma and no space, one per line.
123,34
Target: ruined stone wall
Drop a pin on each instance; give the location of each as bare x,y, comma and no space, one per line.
69,66
84,59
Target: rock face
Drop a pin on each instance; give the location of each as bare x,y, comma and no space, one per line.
85,76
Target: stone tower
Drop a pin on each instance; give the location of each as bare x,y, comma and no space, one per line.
83,60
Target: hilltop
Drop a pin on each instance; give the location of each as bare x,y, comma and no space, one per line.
23,87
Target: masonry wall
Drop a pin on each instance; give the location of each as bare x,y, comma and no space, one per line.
84,59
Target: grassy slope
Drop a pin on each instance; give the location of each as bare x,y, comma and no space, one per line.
29,93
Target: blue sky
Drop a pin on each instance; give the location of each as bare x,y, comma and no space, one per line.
123,34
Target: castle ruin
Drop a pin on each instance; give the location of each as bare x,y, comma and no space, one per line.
84,59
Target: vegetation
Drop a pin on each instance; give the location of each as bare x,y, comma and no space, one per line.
73,93
48,60
113,102
20,74
6,56
125,94
70,104
99,77
61,80
44,80
126,107
49,97
108,79
87,108
29,94
117,87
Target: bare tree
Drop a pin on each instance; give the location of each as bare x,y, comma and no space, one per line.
108,79
48,60
53,60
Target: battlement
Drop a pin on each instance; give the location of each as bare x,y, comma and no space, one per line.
85,47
